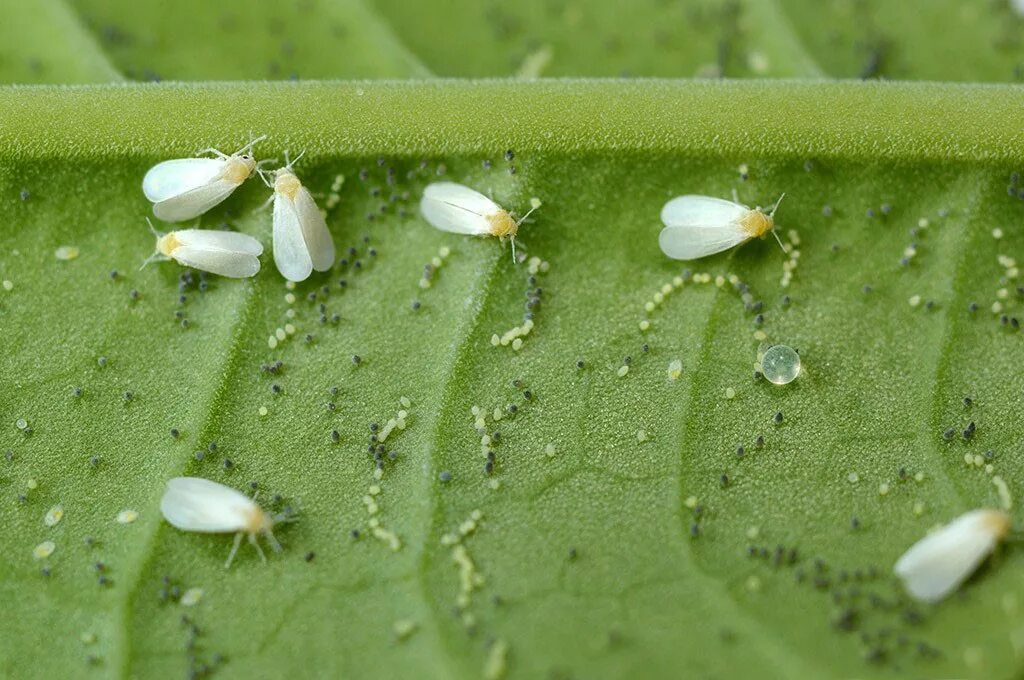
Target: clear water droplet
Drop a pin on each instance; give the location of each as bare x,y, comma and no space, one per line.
780,365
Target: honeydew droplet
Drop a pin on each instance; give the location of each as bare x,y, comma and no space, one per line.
645,325
21,423
127,516
997,233
44,550
780,364
263,411
66,252
853,478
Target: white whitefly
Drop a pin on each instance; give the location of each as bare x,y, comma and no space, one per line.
227,253
458,209
185,188
201,505
697,226
302,241
936,565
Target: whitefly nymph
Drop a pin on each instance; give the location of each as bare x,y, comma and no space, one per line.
201,505
940,562
185,188
226,253
460,210
698,226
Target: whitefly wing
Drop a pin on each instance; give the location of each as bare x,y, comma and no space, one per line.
194,202
698,226
700,211
290,252
457,208
937,564
221,262
690,243
196,504
314,231
173,178
217,239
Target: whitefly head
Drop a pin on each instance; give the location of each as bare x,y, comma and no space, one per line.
239,165
756,223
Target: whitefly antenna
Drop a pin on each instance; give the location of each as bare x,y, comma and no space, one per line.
252,142
776,206
156,253
289,163
771,213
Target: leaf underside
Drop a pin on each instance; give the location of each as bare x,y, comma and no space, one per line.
621,533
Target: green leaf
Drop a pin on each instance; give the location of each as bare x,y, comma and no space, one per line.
43,42
194,40
587,561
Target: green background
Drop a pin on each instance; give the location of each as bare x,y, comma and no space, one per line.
588,558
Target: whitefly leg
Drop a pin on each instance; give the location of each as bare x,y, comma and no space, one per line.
256,544
234,549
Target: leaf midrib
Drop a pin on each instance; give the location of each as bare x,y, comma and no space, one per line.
800,119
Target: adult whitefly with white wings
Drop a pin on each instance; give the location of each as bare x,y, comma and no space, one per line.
698,226
185,188
302,241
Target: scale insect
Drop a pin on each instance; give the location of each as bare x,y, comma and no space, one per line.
698,226
302,241
201,505
226,253
185,188
936,565
460,210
